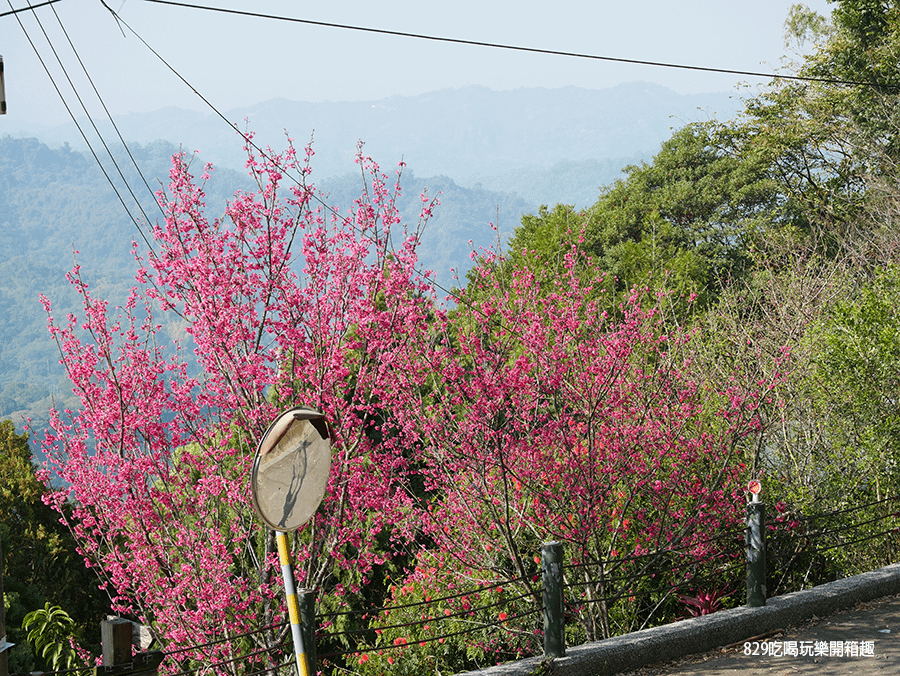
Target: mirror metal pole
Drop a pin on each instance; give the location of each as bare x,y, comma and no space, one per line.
293,607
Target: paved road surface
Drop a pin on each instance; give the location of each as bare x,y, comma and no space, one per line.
872,627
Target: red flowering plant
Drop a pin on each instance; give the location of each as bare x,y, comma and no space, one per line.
437,620
705,602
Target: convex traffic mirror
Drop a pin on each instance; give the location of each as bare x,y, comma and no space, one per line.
291,468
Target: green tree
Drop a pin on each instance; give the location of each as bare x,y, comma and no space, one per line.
695,212
828,137
41,563
32,538
686,222
860,372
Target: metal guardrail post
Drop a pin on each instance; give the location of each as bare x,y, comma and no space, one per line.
554,620
307,599
755,540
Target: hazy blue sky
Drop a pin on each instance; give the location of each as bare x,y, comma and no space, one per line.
237,61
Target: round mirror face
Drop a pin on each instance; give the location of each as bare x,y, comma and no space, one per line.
291,468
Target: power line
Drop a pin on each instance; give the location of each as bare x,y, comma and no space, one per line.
122,22
78,126
87,113
520,48
112,122
27,9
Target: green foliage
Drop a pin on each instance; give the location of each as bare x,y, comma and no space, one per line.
864,25
50,631
694,212
41,563
19,599
33,540
804,25
685,223
860,371
421,631
826,141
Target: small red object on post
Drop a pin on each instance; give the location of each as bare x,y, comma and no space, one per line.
755,487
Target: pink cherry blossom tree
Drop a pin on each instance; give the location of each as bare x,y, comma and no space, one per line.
555,419
284,301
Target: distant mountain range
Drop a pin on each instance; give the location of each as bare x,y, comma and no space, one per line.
491,155
546,145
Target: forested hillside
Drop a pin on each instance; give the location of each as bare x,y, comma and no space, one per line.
57,210
56,202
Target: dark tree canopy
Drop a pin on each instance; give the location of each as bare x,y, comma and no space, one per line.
40,561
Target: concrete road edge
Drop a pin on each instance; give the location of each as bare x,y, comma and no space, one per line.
699,634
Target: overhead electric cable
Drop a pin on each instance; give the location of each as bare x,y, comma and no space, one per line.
122,22
27,9
80,130
88,115
519,48
111,120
